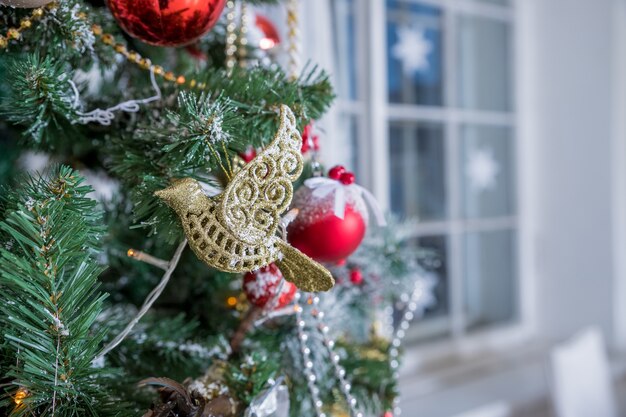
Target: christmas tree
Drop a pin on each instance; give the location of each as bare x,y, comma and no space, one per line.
215,271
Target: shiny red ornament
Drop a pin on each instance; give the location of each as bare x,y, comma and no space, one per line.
320,234
166,22
356,276
261,286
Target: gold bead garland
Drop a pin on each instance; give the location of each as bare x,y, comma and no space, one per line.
231,36
293,37
144,63
243,34
25,23
107,39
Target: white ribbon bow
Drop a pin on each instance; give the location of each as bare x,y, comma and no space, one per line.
323,187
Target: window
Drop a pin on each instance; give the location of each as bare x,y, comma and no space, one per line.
426,105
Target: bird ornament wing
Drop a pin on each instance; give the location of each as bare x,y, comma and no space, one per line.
253,201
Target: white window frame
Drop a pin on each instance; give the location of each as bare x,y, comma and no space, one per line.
374,114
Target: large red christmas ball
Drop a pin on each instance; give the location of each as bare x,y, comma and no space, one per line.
261,286
320,234
166,22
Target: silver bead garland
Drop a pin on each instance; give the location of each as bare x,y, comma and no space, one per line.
306,359
420,298
340,373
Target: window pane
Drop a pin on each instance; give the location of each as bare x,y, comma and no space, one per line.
487,171
346,78
490,283
436,320
417,170
484,64
345,144
414,44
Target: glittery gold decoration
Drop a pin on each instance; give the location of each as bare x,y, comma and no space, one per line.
236,230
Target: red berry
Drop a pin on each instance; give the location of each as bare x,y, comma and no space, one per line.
341,262
356,276
335,172
388,414
347,178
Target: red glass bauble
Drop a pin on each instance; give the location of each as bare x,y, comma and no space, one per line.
320,234
166,22
261,286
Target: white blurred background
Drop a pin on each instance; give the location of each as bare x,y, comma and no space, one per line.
500,124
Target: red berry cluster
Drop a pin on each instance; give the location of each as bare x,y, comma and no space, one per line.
342,175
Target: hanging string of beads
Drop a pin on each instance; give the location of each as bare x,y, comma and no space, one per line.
306,359
242,50
143,63
329,344
293,35
231,36
15,33
415,303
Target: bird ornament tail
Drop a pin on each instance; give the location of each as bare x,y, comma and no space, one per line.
304,272
236,231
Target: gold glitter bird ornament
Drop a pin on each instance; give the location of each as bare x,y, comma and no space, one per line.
236,231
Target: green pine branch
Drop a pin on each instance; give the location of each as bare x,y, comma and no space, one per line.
248,376
39,97
49,298
170,346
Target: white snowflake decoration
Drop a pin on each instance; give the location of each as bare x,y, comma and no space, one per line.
413,49
482,169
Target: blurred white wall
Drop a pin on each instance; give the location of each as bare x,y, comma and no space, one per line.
574,126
